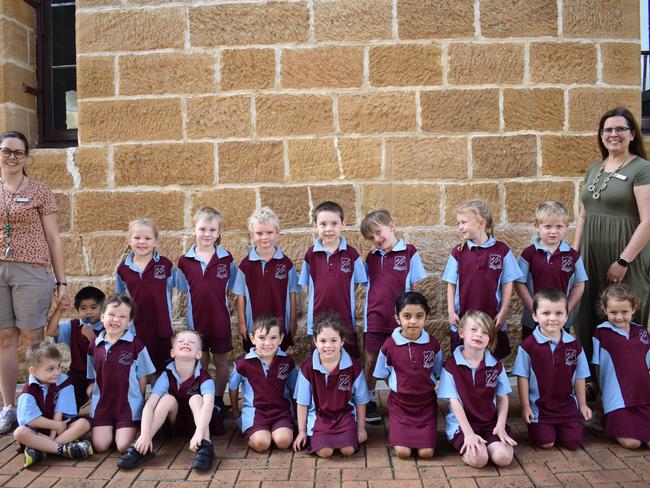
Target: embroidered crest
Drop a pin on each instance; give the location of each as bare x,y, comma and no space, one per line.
428,359
400,263
567,264
126,358
159,271
495,261
491,378
193,389
283,371
644,337
281,272
571,357
344,382
346,265
222,271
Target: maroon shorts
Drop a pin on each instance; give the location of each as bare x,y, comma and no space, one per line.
630,422
333,441
185,426
217,345
285,422
568,434
459,438
372,341
158,349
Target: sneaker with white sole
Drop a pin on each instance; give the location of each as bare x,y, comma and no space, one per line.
32,456
7,419
372,414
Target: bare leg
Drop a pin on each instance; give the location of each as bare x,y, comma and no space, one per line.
260,441
221,372
9,364
102,438
402,452
347,451
368,368
477,460
75,431
325,452
124,437
196,403
166,408
425,453
282,437
628,443
500,453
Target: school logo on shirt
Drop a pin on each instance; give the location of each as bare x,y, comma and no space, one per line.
346,265
491,378
571,357
283,371
495,261
159,272
400,263
193,389
344,382
644,337
222,271
567,264
281,272
126,358
428,359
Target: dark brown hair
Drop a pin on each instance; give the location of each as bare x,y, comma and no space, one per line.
118,299
327,206
636,144
332,321
552,295
265,323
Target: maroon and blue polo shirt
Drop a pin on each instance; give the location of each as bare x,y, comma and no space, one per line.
44,400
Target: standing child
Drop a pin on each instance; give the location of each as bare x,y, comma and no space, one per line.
77,334
551,368
266,374
409,360
183,396
47,409
622,360
331,270
206,272
266,282
331,395
477,388
147,277
549,262
393,267
479,274
119,363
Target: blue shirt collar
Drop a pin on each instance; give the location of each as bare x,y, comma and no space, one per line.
346,361
219,251
172,367
400,340
489,359
542,339
489,243
400,245
129,259
128,336
609,325
563,247
253,256
252,354
318,245
32,380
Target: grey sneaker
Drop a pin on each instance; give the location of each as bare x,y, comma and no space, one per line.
7,419
77,450
372,414
32,456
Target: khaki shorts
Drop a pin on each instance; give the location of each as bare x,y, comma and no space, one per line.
25,295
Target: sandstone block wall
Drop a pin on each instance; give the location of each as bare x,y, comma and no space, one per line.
413,105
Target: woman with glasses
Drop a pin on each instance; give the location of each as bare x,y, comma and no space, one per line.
30,250
613,228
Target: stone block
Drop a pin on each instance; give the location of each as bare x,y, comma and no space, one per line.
13,41
518,237
322,67
313,160
97,3
130,30
49,166
294,245
73,255
12,78
477,64
357,20
587,105
504,156
118,208
164,164
294,115
377,112
563,62
92,163
409,204
460,193
435,19
518,18
214,116
426,158
19,11
251,162
243,69
291,204
95,76
344,195
405,65
460,111
435,247
621,63
568,155
521,199
15,118
235,204
130,120
167,73
247,23
539,109
64,211
360,157
601,19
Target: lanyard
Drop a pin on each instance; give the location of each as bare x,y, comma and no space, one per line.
9,251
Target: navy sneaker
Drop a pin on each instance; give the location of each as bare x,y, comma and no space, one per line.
204,457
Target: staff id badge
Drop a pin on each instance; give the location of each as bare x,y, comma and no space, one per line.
620,176
21,200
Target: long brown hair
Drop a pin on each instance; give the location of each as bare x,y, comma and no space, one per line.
636,145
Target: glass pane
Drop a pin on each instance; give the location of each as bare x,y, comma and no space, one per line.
63,35
64,98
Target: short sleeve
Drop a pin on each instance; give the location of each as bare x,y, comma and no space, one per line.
161,386
595,357
360,392
524,267
582,368
90,366
302,392
207,387
450,275
291,380
120,286
65,333
181,281
239,287
360,271
233,275
580,271
143,365
503,385
27,409
235,378
447,386
48,203
437,363
417,271
66,403
381,367
642,177
294,287
511,271
303,280
522,364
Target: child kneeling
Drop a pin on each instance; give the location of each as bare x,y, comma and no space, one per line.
47,410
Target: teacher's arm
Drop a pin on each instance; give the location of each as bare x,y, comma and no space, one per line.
580,225
51,228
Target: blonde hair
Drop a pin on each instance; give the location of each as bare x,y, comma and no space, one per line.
373,219
481,209
551,208
133,225
182,330
263,216
40,351
484,321
211,214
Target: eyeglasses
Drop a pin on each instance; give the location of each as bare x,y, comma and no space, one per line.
7,153
614,130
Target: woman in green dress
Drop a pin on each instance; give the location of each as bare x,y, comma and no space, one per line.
613,228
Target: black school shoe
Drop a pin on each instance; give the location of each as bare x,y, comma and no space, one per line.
372,414
132,458
204,457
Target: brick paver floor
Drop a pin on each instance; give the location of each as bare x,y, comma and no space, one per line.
598,463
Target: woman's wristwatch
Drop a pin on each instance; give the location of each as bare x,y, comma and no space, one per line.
61,283
623,262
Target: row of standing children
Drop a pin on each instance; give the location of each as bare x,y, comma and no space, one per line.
480,273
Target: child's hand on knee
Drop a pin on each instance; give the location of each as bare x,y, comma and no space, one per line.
143,444
300,441
362,435
503,436
527,414
61,426
195,441
471,444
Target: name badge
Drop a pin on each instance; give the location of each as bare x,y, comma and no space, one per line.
620,176
21,199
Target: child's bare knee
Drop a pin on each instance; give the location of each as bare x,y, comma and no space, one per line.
402,452
325,452
425,453
347,451
21,433
282,438
547,446
628,443
260,441
476,460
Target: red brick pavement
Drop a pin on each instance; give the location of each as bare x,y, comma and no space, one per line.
598,463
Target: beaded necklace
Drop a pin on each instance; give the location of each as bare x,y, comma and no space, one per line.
596,189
